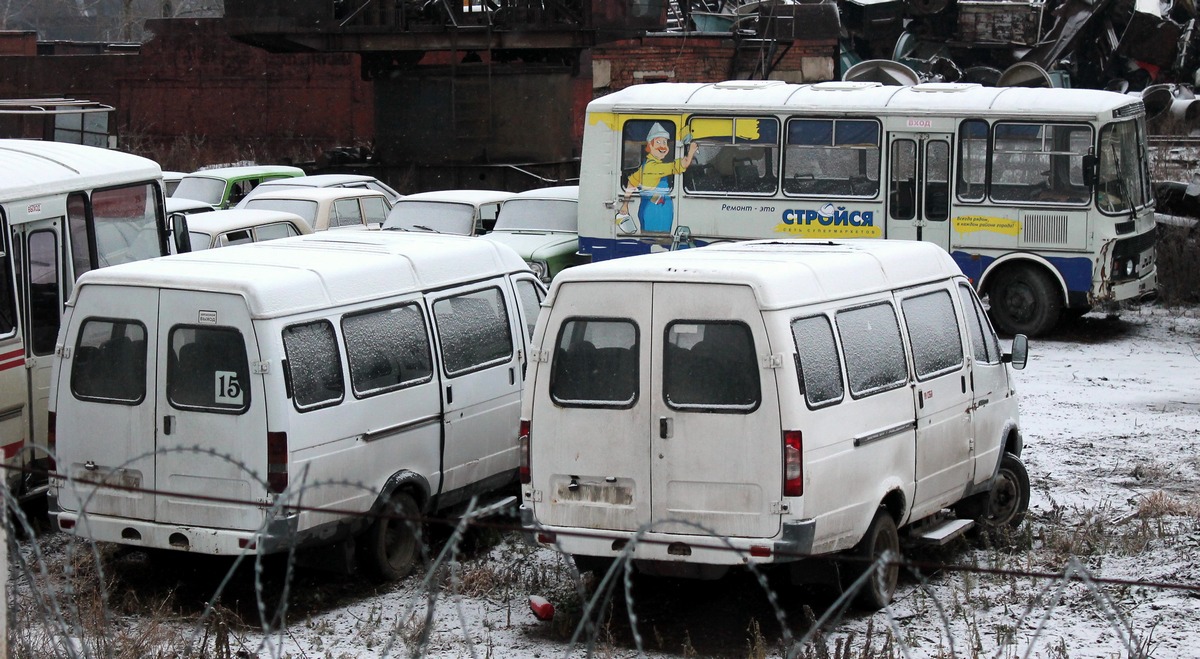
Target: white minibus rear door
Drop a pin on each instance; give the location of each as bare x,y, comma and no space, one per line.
716,447
211,465
918,202
105,405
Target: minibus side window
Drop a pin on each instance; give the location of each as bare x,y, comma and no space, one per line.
817,363
207,369
872,349
933,334
596,364
473,330
710,367
314,365
387,349
109,365
984,344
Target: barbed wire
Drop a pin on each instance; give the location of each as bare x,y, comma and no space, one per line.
63,617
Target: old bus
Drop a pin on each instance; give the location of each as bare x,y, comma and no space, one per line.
65,209
1042,196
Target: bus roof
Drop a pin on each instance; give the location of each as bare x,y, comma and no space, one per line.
318,271
31,168
942,98
783,273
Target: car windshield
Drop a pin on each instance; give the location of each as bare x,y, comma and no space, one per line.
201,188
200,240
538,215
302,207
440,216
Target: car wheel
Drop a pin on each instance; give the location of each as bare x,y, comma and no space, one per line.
881,537
389,547
1024,300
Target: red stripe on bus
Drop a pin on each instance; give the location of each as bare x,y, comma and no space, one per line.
12,449
5,365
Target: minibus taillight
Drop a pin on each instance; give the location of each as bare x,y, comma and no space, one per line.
523,442
793,470
277,462
52,441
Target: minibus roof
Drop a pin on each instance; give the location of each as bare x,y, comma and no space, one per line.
32,168
783,273
317,271
954,99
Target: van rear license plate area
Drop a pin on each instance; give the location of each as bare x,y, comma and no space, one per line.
108,477
587,489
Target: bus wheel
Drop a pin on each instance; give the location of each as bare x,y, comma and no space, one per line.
881,537
389,547
1024,300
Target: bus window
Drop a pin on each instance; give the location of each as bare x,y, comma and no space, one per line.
937,180
1040,162
832,157
44,307
735,155
126,224
81,251
8,303
972,160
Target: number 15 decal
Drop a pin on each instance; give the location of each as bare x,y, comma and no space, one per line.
229,388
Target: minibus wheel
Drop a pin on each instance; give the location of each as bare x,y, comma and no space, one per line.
881,537
1024,300
390,545
1009,497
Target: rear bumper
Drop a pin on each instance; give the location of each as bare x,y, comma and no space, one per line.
793,543
278,535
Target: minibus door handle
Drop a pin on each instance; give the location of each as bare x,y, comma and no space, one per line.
168,421
665,429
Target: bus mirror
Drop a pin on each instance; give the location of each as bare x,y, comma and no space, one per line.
1020,352
681,235
179,232
1089,170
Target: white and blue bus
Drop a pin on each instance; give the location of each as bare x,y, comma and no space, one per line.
1042,196
65,209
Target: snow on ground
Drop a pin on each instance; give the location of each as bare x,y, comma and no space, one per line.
1111,419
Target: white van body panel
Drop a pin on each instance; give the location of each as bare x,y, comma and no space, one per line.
711,479
198,461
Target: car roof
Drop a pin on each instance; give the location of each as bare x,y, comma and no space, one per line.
247,171
321,180
784,273
242,218
320,270
460,196
318,194
169,175
554,192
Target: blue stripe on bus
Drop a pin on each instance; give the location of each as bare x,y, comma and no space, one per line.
1076,271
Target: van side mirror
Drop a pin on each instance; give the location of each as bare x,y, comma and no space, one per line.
1089,170
1020,352
178,225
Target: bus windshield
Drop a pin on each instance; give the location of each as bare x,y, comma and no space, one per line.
1122,179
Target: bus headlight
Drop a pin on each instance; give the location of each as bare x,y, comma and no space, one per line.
1130,267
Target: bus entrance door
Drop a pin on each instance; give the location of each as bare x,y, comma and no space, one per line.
918,203
39,246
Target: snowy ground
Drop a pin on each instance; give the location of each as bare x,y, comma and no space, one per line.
1111,416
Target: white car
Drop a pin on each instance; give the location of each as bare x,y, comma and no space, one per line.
238,226
353,181
328,208
462,212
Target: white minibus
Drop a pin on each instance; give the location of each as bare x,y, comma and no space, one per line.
768,402
285,393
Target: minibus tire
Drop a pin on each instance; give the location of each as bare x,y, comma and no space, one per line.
598,565
881,536
1024,300
1009,497
389,547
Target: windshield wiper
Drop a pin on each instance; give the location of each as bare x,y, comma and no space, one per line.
422,227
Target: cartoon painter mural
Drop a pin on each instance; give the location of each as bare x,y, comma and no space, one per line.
653,178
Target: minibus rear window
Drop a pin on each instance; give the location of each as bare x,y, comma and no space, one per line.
207,369
817,361
109,365
710,367
595,364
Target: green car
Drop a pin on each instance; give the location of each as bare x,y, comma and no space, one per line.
224,187
542,226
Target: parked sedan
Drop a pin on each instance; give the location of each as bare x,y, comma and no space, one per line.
542,226
238,225
461,212
224,187
354,181
328,208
